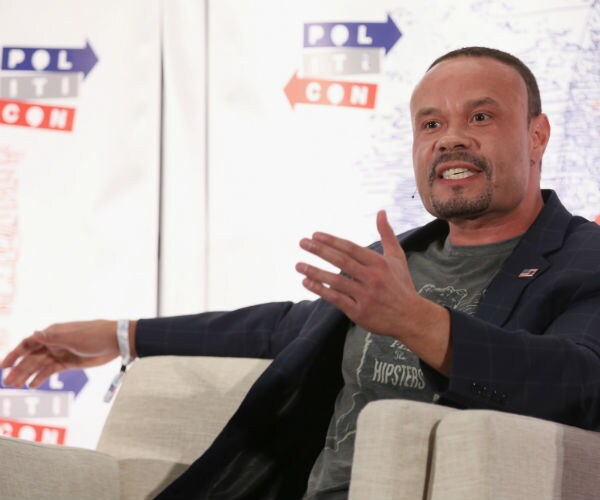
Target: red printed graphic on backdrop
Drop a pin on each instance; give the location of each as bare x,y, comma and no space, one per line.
31,432
26,114
9,234
330,92
598,219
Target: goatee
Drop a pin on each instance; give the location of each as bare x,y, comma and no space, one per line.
459,206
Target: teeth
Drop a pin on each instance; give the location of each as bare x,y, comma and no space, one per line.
457,173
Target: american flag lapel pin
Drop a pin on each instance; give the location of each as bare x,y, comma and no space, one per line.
528,273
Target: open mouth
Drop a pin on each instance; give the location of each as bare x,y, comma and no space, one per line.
458,166
457,173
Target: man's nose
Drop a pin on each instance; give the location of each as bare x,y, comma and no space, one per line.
452,140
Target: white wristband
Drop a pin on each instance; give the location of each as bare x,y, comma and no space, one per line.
123,340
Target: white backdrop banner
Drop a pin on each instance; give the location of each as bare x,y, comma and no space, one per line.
310,129
79,164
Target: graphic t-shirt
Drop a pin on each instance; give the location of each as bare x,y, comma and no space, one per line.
379,367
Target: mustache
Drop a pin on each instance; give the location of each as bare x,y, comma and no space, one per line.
479,161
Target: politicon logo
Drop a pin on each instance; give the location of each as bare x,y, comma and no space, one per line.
31,78
334,51
22,408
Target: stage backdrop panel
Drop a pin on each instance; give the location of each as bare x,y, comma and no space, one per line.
309,125
79,165
183,228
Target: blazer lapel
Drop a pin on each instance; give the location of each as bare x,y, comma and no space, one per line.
520,269
527,262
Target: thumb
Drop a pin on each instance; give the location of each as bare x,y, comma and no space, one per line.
390,243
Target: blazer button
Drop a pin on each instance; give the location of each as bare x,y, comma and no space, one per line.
498,397
479,389
483,391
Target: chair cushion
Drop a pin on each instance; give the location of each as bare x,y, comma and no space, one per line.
32,471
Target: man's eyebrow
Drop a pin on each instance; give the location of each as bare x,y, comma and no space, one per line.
482,101
427,112
473,103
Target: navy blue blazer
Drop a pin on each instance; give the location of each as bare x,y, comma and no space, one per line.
532,347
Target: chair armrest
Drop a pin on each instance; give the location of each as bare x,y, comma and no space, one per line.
485,455
168,412
32,471
392,449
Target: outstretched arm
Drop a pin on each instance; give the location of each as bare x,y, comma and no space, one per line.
255,331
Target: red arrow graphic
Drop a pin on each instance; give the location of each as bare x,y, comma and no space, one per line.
27,114
330,92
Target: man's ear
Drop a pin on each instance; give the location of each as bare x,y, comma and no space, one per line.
539,134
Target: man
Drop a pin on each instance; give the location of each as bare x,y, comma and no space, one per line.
496,304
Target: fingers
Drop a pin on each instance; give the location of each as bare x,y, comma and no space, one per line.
334,246
28,365
11,358
341,290
44,373
333,281
331,295
22,371
347,256
391,245
372,274
30,344
25,360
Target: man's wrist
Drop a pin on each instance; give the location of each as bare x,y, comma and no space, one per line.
131,334
125,331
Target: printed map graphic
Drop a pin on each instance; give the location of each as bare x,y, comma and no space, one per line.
560,42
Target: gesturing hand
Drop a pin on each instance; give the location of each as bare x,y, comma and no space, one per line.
60,347
377,292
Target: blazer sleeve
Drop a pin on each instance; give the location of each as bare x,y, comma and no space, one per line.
260,331
550,371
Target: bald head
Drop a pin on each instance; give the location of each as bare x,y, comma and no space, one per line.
534,102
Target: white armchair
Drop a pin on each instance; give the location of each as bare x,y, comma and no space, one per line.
169,410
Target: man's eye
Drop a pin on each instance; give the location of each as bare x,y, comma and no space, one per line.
431,124
480,117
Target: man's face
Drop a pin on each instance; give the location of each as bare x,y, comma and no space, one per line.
474,153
